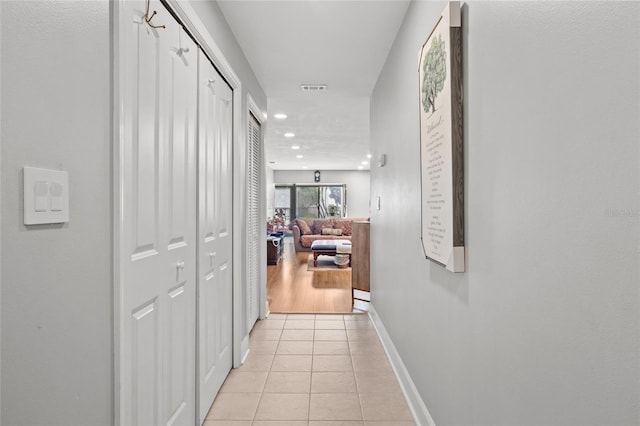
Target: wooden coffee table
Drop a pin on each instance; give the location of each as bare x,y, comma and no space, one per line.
326,248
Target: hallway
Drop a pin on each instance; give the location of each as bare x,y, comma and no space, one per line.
543,326
312,370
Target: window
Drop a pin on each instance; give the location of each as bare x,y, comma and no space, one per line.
282,203
311,201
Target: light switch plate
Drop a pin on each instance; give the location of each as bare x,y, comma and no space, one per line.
46,196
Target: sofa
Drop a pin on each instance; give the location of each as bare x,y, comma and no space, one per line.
306,231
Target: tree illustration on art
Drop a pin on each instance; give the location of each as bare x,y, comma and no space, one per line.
434,70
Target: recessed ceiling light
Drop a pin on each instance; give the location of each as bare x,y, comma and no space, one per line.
289,135
264,114
305,167
295,147
360,167
280,116
368,155
299,156
365,163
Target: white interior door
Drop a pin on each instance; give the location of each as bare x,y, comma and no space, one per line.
158,229
214,234
255,226
179,102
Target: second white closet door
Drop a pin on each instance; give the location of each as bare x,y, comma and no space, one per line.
215,207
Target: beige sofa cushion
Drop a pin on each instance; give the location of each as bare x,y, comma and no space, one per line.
331,231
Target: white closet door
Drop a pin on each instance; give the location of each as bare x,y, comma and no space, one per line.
179,102
255,226
214,234
158,232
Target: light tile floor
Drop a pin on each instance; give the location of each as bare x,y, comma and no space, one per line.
312,370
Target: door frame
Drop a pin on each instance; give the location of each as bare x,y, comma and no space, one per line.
186,15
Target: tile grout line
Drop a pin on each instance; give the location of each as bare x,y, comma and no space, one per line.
313,351
355,377
353,367
268,373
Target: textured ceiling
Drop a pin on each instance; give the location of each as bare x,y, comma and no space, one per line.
339,43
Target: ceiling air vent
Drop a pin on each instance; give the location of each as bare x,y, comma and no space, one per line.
313,87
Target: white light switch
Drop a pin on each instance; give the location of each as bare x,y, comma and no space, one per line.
46,196
57,199
41,203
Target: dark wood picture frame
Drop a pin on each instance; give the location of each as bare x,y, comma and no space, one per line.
442,141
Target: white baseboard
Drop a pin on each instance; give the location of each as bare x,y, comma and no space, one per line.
419,410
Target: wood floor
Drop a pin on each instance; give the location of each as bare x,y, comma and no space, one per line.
291,288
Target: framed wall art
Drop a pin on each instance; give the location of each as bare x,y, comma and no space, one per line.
441,142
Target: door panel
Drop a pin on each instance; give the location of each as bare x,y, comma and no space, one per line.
158,227
179,383
214,233
209,337
144,116
217,332
145,363
223,183
225,301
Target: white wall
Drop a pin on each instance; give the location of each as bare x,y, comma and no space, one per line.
56,280
544,327
357,181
